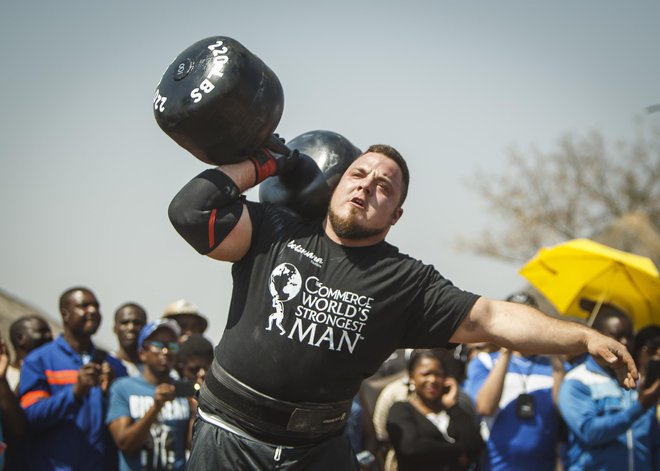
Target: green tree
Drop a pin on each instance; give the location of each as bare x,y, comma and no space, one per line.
576,190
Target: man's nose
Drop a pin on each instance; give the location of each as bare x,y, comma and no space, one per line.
91,309
365,185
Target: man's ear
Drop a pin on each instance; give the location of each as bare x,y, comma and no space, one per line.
398,212
64,314
142,355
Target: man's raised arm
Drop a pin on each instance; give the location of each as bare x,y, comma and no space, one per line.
523,328
208,211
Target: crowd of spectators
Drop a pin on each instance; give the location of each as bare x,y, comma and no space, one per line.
532,411
67,404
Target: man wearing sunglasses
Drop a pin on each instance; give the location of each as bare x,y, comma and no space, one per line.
149,415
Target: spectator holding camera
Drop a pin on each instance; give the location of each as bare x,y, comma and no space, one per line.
513,394
149,416
63,391
610,428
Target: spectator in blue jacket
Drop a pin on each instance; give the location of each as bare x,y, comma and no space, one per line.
63,392
610,428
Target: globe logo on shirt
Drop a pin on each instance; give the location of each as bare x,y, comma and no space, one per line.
285,282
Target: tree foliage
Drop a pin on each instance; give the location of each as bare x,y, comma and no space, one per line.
576,190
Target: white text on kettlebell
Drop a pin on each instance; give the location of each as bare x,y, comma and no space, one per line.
219,61
159,101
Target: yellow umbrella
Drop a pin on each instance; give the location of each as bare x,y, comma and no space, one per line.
582,268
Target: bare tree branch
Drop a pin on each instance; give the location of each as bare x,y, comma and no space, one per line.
577,190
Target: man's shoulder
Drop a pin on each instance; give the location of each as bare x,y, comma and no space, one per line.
50,352
117,365
127,384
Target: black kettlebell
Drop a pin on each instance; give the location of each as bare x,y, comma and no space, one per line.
219,101
324,157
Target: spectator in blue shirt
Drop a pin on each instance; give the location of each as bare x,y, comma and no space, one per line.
148,420
610,428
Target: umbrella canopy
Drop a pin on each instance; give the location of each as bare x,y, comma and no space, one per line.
584,269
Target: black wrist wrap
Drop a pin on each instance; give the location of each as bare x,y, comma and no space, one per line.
206,210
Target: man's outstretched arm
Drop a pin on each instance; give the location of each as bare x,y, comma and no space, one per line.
522,328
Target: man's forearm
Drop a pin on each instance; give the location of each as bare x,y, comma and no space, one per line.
489,395
242,173
521,328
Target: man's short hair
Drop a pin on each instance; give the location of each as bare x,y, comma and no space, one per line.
394,154
64,298
18,326
606,312
196,345
135,306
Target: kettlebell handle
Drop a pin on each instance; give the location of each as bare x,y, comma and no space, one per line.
275,144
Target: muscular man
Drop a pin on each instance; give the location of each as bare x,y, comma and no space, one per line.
349,298
62,390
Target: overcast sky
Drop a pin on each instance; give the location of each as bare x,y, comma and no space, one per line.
86,175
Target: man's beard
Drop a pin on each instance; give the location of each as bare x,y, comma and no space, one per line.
348,228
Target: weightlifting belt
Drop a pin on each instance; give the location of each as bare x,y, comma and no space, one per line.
269,419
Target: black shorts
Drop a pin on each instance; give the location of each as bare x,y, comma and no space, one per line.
219,449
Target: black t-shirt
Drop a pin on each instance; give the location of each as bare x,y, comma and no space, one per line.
310,319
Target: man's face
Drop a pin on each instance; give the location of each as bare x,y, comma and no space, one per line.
365,203
129,321
195,367
35,333
81,314
189,324
620,329
160,352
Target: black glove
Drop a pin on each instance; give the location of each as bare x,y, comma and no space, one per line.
273,158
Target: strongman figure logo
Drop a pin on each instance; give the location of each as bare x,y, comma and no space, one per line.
285,284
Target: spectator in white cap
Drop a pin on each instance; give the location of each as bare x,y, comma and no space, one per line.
187,315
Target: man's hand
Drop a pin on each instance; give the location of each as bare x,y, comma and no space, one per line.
273,158
106,377
613,355
164,392
88,376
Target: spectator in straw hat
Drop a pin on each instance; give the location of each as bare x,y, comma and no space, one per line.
187,315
